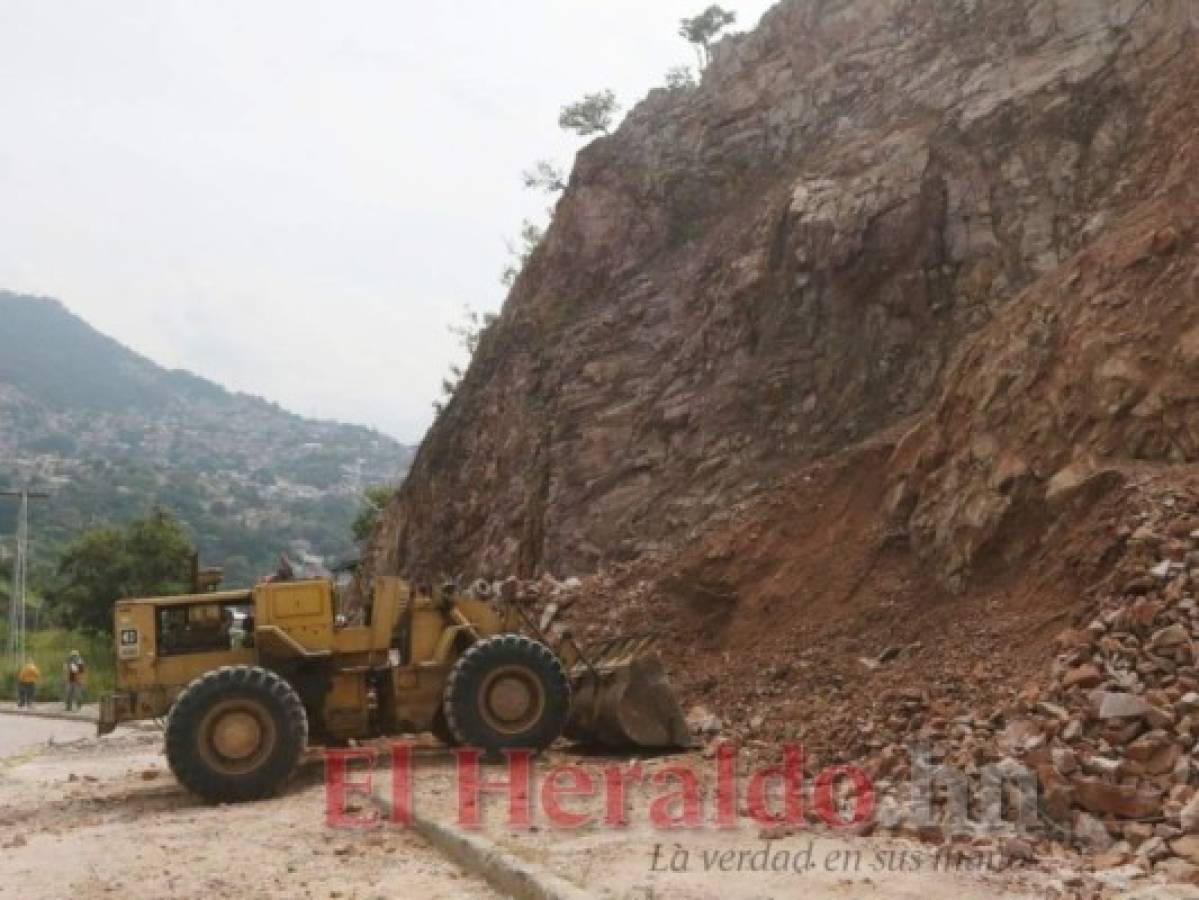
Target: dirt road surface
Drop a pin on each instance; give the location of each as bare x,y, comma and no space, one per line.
104,818
83,817
19,733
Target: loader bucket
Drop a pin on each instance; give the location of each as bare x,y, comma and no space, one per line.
622,699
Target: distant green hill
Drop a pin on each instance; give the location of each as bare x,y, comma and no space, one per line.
111,433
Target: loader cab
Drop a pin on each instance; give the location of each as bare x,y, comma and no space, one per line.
154,631
163,643
201,627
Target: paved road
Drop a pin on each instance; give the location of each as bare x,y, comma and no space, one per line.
54,708
19,732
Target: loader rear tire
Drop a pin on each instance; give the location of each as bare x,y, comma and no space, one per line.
236,733
507,693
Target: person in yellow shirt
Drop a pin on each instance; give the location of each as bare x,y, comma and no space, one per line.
27,684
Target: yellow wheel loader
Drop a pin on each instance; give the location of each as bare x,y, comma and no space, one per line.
247,679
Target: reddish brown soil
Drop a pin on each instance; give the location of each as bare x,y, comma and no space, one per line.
767,616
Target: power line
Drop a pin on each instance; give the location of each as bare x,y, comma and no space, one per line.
16,602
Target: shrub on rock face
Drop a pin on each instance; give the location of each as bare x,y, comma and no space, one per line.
701,30
591,115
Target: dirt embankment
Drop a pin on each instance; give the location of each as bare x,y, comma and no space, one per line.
808,616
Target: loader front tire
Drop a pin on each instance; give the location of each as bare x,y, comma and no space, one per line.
441,728
236,733
507,693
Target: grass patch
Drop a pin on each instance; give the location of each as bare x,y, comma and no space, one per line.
49,649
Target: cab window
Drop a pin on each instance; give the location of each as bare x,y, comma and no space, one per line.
200,628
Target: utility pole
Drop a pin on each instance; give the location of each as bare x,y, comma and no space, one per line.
16,602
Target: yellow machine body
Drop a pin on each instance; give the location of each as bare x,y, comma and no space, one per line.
381,677
455,665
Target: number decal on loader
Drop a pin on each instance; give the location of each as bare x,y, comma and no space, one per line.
129,643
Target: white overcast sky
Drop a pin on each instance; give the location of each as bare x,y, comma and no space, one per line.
296,198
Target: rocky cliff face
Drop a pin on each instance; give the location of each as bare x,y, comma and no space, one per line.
775,265
1089,377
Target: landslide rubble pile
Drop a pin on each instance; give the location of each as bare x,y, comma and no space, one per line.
1109,728
1112,735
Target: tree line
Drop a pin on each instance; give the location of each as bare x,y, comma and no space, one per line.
151,556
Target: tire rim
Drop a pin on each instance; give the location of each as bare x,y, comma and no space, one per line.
511,699
236,735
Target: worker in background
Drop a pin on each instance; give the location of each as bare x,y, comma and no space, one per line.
27,684
75,672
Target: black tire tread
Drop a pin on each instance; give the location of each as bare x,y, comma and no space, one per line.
440,728
459,701
291,722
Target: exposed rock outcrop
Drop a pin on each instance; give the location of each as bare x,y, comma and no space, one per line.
781,262
1079,381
